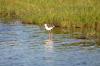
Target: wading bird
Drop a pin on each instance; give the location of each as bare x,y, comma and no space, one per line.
49,29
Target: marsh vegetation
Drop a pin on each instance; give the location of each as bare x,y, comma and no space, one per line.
59,12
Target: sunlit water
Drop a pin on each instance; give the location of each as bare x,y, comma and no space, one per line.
28,45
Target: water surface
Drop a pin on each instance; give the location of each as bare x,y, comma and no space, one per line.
28,45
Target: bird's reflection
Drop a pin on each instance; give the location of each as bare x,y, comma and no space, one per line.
49,44
49,50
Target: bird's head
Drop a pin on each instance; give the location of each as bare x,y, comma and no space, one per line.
45,24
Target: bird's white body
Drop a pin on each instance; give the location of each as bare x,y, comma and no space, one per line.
48,28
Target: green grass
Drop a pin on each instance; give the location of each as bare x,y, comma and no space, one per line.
59,12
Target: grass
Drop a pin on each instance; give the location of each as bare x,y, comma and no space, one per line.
59,12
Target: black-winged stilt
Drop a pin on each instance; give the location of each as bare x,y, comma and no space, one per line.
49,28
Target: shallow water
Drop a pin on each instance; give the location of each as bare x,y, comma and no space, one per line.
28,45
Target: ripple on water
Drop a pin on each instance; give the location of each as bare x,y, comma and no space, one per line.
28,45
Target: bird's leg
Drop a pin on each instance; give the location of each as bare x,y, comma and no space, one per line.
50,35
